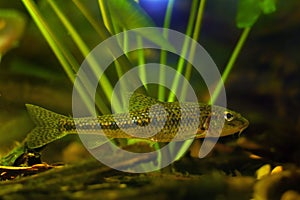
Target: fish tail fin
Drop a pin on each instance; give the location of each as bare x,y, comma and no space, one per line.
47,126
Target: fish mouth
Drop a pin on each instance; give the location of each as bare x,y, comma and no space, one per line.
245,124
242,125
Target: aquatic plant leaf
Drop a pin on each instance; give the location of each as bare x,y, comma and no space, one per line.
248,13
267,6
250,10
129,15
12,25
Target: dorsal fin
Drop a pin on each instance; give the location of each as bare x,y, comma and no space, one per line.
140,101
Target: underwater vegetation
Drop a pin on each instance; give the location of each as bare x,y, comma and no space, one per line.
255,46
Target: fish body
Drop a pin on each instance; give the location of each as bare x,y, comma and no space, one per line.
140,120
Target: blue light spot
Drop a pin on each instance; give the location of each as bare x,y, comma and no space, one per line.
157,5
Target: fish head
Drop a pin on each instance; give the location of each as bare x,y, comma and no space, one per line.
233,122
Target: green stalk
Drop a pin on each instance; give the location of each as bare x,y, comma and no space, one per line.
196,33
97,25
141,61
187,143
105,15
230,63
118,65
73,33
124,63
50,37
125,40
63,55
163,54
162,72
181,61
104,81
195,37
101,29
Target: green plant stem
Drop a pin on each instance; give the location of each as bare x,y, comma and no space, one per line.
195,37
163,54
186,144
73,33
181,61
113,28
230,64
66,59
141,61
97,25
105,15
163,61
104,81
103,32
50,37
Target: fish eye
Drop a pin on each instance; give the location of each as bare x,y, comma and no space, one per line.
228,116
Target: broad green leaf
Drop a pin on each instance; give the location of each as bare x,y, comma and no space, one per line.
267,6
129,15
250,10
248,13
